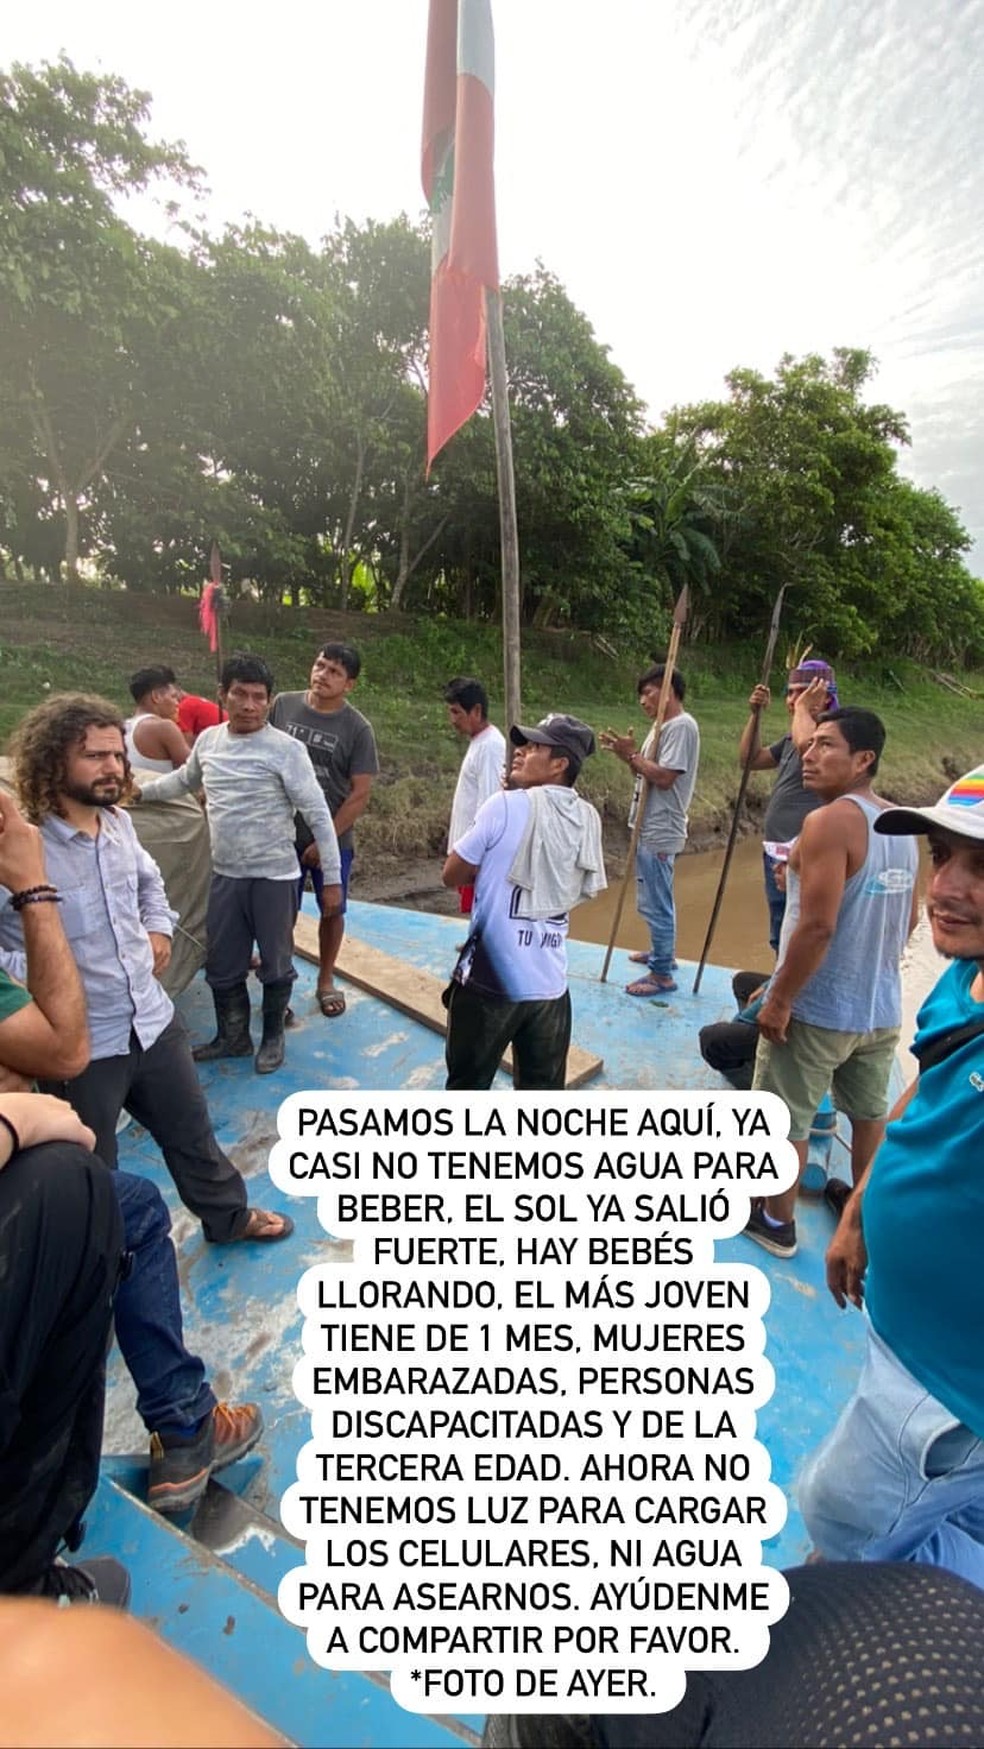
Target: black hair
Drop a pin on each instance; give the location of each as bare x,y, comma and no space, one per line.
573,765
861,729
346,655
148,680
251,670
467,693
654,677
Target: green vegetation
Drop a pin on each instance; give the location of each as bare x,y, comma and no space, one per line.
58,639
251,389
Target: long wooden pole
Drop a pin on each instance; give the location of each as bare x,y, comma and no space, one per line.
509,533
215,571
742,787
652,740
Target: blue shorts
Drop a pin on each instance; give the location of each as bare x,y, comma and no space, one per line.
318,880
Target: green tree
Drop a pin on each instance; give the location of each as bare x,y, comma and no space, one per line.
576,425
676,513
802,459
83,299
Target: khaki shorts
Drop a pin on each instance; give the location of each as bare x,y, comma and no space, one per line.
855,1066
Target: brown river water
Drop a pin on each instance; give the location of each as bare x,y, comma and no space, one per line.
741,937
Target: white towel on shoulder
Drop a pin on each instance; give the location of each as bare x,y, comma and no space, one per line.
559,862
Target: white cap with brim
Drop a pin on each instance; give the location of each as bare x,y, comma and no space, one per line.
961,811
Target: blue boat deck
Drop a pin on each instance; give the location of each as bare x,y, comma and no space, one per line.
210,1587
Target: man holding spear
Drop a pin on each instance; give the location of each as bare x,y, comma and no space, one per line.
665,774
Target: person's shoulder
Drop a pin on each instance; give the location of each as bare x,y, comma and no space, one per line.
278,740
503,805
287,704
833,819
357,718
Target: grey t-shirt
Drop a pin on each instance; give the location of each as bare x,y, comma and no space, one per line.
664,824
340,745
789,802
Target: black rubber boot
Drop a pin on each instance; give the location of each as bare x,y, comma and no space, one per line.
275,1000
232,1019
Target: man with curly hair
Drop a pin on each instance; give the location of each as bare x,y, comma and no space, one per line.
72,773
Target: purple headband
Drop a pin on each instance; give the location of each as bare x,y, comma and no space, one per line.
816,670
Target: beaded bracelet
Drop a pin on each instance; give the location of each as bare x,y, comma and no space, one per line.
15,1138
46,895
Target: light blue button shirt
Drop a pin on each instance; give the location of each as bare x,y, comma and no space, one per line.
112,894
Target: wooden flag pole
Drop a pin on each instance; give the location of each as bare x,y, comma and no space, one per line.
742,787
509,533
215,571
652,739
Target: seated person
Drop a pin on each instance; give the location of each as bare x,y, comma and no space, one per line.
729,1045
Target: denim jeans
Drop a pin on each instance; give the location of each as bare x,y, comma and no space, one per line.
654,903
775,899
898,1479
172,1390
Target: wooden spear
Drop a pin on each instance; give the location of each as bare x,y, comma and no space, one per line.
651,742
742,787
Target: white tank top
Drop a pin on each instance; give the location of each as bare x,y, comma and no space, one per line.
133,752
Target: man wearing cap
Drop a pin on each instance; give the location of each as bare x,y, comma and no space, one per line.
810,689
832,1013
665,776
901,1478
533,853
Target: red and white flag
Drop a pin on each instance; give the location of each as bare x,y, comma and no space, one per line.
457,173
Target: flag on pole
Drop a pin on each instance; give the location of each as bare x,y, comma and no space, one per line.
210,605
458,179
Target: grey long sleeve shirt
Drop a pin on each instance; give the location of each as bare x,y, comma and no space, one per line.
254,784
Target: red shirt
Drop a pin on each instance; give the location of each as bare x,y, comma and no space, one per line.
196,714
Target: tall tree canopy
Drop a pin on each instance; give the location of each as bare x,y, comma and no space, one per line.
809,469
258,389
85,302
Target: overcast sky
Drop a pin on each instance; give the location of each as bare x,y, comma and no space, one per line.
715,182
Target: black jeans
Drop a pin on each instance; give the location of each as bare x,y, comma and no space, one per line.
729,1046
241,911
61,1242
160,1088
480,1028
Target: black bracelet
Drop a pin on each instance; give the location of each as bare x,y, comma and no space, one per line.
15,1138
35,896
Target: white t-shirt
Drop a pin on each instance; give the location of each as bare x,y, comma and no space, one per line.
507,955
480,777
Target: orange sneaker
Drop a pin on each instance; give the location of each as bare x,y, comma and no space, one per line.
180,1468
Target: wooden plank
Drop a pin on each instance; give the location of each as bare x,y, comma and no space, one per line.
413,992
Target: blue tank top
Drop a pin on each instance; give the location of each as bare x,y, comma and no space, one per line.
858,987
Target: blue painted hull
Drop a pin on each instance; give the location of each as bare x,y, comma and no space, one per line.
218,1603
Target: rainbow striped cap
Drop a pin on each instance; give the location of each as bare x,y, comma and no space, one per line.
961,810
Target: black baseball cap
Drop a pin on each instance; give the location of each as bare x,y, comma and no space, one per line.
557,730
